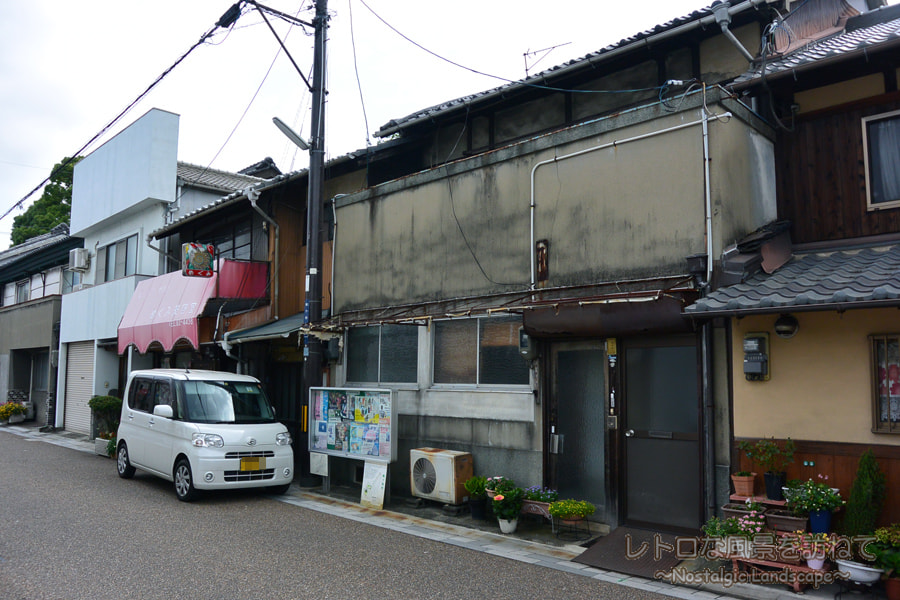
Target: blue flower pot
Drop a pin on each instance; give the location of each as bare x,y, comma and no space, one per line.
820,521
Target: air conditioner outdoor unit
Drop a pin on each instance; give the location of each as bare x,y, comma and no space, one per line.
439,475
79,259
81,286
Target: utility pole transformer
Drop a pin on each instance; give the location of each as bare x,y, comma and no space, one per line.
312,351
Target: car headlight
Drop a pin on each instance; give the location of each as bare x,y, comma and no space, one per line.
283,439
207,440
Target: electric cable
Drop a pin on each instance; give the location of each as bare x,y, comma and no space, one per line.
209,33
504,79
466,240
362,101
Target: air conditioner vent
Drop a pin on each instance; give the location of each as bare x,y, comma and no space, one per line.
79,259
439,475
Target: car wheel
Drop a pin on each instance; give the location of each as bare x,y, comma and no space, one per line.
279,489
123,465
184,481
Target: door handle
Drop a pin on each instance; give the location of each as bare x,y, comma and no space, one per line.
629,433
150,422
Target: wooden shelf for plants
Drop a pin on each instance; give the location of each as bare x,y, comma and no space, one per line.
760,499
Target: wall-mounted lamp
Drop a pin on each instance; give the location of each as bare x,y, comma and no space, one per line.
290,133
786,326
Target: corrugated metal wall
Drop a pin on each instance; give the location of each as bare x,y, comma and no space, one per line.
79,386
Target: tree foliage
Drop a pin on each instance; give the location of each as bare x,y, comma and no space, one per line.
52,208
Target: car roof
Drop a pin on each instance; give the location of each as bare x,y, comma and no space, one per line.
193,375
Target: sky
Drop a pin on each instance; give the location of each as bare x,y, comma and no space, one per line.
69,68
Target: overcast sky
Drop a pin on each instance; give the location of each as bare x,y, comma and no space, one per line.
68,68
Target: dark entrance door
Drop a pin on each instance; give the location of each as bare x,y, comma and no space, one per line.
661,486
577,423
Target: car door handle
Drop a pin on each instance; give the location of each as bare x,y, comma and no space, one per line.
150,422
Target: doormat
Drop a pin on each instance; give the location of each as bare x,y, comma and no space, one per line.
639,552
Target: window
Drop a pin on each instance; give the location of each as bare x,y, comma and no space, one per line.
119,259
23,289
383,353
886,391
479,351
881,145
40,371
231,239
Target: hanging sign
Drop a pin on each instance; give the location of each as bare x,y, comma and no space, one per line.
197,259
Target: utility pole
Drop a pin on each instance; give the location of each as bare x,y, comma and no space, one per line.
312,351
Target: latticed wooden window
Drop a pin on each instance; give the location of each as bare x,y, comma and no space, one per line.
886,383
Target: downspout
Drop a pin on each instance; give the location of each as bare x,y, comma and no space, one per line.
253,195
162,252
612,144
722,14
709,422
707,193
333,245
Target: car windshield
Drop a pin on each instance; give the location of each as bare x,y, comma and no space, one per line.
225,402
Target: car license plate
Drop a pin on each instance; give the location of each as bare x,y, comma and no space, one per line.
253,463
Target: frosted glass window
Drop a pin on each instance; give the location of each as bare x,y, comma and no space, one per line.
362,354
479,351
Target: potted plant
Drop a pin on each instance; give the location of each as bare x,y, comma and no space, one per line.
13,412
477,496
738,509
773,458
507,504
496,484
106,411
537,500
816,499
886,549
812,547
744,483
571,510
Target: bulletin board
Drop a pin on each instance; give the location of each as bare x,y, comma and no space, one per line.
353,423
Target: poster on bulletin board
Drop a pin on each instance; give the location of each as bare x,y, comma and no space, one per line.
353,423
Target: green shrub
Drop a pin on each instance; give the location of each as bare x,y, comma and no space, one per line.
866,497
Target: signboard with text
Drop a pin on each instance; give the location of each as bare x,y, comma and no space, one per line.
197,259
353,423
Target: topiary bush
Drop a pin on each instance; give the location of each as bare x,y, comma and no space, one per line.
866,497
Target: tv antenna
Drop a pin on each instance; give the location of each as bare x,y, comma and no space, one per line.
542,53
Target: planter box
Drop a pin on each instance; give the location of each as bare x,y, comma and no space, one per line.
738,510
784,520
533,507
100,446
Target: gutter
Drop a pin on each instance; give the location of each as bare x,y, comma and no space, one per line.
253,195
800,308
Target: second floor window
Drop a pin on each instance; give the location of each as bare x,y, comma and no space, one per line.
881,137
118,260
23,291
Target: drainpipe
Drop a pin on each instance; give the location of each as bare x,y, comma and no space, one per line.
707,192
253,195
722,13
612,144
709,422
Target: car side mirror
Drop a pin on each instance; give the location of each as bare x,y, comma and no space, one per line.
163,410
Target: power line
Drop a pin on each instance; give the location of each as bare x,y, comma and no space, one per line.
223,21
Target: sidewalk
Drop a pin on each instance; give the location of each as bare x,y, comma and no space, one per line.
544,551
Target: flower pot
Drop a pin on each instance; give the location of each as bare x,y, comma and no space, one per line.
815,562
858,572
508,526
16,419
100,446
892,588
783,520
477,508
744,485
820,521
736,546
774,483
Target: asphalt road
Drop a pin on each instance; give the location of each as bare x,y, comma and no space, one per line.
71,529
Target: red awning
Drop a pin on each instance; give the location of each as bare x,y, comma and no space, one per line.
166,309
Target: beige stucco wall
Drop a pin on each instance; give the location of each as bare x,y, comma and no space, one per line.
820,386
839,93
633,209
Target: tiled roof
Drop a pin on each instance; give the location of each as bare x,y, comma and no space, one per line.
815,280
213,179
853,39
540,79
58,234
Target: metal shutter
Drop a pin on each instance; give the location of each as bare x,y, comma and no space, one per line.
79,386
